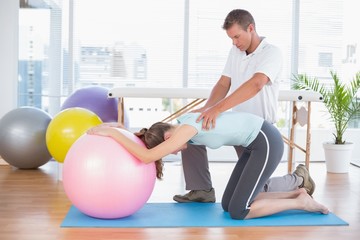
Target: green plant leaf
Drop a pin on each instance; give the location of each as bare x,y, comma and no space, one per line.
340,99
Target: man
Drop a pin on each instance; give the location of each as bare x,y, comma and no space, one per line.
249,83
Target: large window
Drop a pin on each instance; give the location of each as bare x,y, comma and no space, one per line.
67,44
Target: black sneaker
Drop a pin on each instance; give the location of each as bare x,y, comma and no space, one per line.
204,196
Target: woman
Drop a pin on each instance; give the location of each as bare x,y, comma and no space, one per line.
264,148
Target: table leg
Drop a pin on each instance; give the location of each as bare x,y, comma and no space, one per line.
121,110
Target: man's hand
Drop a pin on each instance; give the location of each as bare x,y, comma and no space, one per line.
202,109
209,117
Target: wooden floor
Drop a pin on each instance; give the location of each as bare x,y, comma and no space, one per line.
33,205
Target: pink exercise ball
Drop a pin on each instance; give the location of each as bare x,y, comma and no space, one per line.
103,180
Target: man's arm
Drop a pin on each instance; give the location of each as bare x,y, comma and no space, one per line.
246,91
217,94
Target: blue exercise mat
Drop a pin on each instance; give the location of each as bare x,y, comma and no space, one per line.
165,215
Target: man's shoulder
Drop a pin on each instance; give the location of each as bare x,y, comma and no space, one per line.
270,49
269,46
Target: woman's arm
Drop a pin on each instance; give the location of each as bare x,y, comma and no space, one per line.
113,124
180,137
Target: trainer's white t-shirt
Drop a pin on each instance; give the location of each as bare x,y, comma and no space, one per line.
266,59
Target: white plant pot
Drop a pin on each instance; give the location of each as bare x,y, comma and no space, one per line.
338,156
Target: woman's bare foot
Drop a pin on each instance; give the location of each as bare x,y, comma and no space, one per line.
297,192
300,191
280,195
310,205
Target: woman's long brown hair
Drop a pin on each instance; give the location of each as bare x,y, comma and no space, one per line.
153,137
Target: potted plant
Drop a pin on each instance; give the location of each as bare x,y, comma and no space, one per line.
341,101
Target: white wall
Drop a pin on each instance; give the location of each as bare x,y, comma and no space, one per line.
9,17
318,136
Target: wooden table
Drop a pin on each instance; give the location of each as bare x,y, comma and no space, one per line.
301,115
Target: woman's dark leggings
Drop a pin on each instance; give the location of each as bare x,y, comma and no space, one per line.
255,166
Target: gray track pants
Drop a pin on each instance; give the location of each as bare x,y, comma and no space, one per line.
252,170
197,175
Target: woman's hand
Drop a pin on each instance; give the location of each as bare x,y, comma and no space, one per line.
101,130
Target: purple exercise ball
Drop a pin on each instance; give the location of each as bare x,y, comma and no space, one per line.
95,99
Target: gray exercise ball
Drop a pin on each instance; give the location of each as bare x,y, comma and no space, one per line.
22,137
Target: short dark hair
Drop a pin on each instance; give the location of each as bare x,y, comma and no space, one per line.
238,16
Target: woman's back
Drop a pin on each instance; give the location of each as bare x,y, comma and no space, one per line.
232,129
